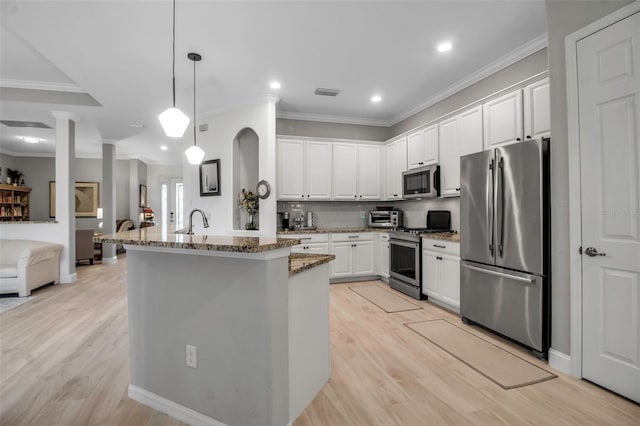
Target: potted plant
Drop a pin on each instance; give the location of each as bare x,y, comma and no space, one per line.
248,201
13,176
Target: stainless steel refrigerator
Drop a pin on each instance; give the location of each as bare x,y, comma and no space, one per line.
504,242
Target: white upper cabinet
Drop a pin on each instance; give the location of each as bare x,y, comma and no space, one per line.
304,170
318,170
537,111
422,147
503,120
369,172
345,171
290,169
396,164
449,157
357,171
470,131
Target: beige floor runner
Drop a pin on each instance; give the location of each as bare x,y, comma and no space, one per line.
385,299
502,367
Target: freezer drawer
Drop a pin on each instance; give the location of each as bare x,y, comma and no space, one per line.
510,303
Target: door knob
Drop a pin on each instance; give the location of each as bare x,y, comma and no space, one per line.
593,252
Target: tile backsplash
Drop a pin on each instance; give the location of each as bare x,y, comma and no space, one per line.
346,214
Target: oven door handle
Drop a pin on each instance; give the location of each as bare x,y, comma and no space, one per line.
404,243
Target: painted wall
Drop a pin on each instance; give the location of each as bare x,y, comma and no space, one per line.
217,142
6,162
331,130
246,150
39,171
563,18
514,73
137,177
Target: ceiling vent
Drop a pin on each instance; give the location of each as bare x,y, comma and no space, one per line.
203,127
326,92
34,124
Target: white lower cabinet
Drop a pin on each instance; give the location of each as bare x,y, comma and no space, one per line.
310,243
382,255
441,271
354,254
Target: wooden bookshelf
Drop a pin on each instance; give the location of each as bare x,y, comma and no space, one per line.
14,203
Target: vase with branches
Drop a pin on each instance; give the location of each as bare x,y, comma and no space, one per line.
249,202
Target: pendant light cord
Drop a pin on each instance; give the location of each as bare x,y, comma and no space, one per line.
194,102
174,54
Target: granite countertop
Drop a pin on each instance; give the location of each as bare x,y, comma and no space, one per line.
329,230
299,262
24,222
157,236
444,236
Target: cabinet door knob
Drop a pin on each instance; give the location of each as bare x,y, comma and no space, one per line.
528,136
518,139
457,189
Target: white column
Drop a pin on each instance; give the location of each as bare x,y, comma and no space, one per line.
65,191
109,200
134,192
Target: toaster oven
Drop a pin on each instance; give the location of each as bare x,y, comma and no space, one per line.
385,219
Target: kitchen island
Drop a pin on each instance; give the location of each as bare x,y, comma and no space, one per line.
261,336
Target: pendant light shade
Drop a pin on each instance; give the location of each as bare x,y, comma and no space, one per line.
194,154
173,121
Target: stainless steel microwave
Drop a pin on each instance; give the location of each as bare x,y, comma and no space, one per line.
422,182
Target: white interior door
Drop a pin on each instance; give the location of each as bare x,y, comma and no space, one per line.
609,111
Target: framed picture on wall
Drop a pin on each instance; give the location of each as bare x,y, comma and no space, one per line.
87,197
210,177
143,196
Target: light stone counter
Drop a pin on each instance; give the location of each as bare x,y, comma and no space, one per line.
330,230
158,236
444,236
300,262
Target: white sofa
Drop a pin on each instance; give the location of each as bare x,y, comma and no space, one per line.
26,265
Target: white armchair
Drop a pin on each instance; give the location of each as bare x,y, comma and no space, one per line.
26,265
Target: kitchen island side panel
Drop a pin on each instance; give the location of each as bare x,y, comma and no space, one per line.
234,310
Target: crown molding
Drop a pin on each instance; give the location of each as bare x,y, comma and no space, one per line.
40,85
510,58
340,119
65,115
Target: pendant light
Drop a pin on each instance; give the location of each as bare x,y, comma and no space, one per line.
173,121
194,154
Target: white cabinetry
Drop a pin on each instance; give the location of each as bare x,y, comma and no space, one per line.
304,170
356,172
310,243
503,120
537,112
382,255
396,164
441,271
422,147
459,135
354,254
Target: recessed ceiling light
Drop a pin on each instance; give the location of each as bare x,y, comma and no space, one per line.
29,139
274,85
164,147
376,98
137,126
444,46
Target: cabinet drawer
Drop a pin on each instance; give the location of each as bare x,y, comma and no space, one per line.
440,246
308,238
353,237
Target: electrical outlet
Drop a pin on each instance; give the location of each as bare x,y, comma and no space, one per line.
192,356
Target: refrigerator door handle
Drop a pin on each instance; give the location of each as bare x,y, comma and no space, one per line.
490,197
501,201
500,274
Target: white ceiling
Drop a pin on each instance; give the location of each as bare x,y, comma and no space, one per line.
68,55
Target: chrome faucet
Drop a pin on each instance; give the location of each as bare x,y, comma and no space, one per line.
204,220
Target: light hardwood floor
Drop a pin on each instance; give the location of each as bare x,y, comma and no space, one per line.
64,361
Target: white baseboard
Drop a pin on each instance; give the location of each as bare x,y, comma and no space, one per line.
110,260
560,361
171,408
68,279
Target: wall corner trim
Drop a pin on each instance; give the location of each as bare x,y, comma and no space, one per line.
68,279
560,361
110,260
171,408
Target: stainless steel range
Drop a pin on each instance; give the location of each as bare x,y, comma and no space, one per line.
405,262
